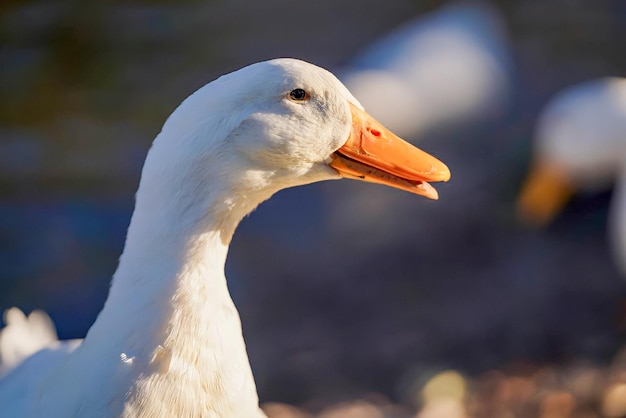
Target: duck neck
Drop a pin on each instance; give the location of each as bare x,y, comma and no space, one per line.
176,329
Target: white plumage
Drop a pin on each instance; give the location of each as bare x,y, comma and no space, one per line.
22,336
168,341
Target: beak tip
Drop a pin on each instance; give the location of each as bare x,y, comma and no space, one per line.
443,173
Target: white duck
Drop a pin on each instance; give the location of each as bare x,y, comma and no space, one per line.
456,57
580,144
168,341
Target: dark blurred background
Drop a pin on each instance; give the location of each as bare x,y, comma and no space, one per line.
343,288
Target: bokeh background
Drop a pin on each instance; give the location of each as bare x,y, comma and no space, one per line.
346,291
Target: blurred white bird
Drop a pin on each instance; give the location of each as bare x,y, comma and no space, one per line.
168,341
447,67
580,144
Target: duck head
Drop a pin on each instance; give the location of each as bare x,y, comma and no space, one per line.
580,145
279,124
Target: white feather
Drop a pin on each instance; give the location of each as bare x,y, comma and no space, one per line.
22,336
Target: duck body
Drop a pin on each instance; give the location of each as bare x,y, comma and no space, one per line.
168,342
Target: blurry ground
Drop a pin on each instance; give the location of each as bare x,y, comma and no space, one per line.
343,289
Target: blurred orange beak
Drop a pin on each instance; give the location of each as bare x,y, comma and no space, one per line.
545,192
374,154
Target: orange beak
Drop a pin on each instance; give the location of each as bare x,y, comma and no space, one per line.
374,154
545,192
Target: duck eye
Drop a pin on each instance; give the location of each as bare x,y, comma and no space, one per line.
299,95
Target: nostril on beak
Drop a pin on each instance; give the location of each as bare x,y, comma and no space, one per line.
374,132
